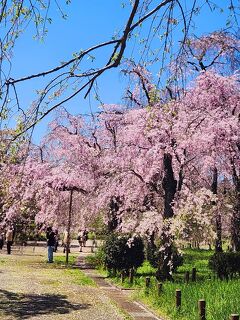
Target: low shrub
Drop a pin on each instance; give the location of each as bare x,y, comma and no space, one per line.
177,258
225,264
123,252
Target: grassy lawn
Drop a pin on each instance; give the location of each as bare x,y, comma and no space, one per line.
222,297
77,276
54,274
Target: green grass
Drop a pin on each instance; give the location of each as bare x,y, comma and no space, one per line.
195,259
222,297
76,275
61,260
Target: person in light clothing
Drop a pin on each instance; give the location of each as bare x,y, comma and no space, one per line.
66,240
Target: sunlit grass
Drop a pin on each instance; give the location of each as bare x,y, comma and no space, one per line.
61,259
222,297
27,262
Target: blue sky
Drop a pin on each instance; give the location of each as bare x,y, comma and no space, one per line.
88,23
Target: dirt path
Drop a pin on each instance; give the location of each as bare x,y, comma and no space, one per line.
32,289
121,297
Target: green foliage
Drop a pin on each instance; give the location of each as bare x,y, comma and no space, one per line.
61,260
78,277
225,264
152,253
97,259
123,253
222,299
91,235
195,258
114,249
98,226
154,257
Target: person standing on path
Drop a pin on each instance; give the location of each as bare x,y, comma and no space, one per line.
50,243
9,239
80,239
85,237
66,242
56,235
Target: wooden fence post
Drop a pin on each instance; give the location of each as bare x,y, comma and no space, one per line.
187,276
178,298
202,309
194,274
147,284
122,276
131,275
147,281
159,288
234,317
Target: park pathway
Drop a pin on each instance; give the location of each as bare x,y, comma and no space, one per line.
120,297
31,289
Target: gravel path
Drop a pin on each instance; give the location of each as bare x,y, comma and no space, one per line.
32,289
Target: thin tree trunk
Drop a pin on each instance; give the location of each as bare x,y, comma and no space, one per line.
218,217
69,225
235,223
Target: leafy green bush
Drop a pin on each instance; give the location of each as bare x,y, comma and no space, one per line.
225,264
177,258
134,253
123,253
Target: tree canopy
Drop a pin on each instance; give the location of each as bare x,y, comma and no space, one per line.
159,33
166,161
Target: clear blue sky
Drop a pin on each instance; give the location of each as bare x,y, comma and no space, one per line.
88,23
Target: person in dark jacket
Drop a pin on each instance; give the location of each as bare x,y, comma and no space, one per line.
50,243
1,240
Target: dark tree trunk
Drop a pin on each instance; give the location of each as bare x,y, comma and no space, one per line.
151,248
218,242
235,223
113,219
169,185
218,218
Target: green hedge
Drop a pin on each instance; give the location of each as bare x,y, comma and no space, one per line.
122,253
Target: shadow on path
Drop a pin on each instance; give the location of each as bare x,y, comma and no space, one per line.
24,306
